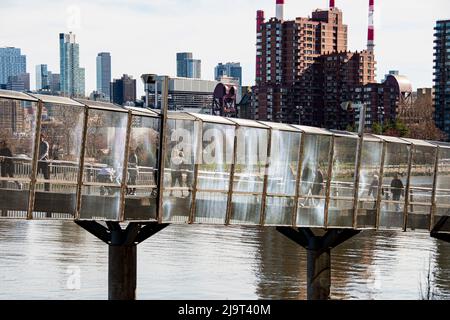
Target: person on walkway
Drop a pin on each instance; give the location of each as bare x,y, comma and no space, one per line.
132,171
318,186
43,166
397,191
7,164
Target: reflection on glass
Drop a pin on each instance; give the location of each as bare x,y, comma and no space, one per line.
214,173
394,183
103,166
340,213
180,159
282,176
141,191
313,180
443,188
17,133
58,160
421,187
369,180
251,160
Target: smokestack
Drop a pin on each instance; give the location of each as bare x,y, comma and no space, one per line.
332,4
280,10
371,32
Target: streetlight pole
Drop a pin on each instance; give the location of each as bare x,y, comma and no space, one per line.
362,125
300,112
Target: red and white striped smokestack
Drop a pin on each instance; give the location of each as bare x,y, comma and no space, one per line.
371,32
280,10
332,4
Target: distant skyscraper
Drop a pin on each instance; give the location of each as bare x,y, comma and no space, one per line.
42,80
54,82
20,82
12,63
123,90
104,73
72,76
442,76
233,70
187,67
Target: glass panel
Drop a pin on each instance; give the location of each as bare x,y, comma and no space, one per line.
443,188
246,209
340,213
214,173
279,211
311,202
394,182
17,134
96,205
59,160
104,158
141,194
181,155
282,176
251,160
368,183
211,207
421,187
217,157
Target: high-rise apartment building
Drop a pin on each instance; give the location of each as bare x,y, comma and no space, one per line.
230,69
187,67
20,82
442,76
42,77
123,90
104,73
72,76
304,70
12,63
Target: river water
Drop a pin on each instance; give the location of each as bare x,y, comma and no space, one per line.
38,260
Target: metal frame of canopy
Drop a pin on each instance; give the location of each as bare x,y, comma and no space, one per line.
388,140
209,119
282,128
40,100
249,125
12,95
65,103
174,116
441,148
312,131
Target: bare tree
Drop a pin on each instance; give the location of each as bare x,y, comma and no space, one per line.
417,115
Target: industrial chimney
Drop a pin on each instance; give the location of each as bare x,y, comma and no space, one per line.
280,9
371,31
332,4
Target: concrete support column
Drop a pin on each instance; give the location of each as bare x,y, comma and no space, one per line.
122,255
122,272
318,256
318,273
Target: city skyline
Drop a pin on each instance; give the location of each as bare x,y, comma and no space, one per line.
403,42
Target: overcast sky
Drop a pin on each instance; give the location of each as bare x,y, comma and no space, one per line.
143,36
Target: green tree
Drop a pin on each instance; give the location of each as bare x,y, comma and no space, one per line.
377,128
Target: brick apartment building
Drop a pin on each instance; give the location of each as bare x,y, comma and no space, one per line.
304,72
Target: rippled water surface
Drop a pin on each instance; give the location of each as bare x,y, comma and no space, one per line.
200,262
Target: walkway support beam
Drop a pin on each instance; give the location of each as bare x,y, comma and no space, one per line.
318,256
122,254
